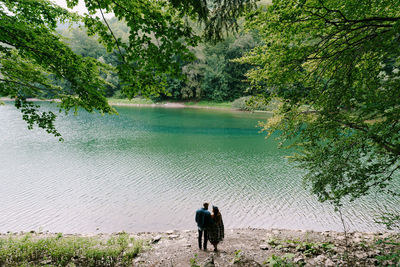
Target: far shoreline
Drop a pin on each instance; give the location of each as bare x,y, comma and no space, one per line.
163,104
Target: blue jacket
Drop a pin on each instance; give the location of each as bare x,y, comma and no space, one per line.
203,218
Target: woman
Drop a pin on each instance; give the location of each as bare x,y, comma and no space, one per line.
216,229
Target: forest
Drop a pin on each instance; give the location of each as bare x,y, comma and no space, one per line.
212,75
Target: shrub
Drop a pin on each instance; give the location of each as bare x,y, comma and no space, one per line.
251,103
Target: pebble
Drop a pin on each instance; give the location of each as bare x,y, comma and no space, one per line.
156,239
385,235
327,234
264,247
320,258
298,260
361,255
173,236
329,263
170,232
276,232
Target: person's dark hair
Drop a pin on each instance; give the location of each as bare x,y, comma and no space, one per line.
217,214
205,205
215,209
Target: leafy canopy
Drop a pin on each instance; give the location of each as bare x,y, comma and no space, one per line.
335,66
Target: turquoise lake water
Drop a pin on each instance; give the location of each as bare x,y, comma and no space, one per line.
149,169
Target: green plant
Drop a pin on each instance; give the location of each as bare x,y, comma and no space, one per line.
193,261
310,248
57,250
273,242
251,103
238,256
392,256
277,261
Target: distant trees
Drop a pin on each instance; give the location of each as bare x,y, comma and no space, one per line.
213,75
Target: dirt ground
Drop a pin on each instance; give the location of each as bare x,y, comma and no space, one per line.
253,247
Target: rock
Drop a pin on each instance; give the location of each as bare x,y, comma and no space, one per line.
170,232
358,235
156,239
264,247
298,260
357,240
385,235
329,263
320,259
138,259
276,232
326,233
246,262
341,237
188,245
369,235
361,255
209,262
173,236
311,262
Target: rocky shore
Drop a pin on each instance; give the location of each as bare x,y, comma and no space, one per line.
260,247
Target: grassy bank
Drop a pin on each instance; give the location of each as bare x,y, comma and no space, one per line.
210,104
133,101
59,250
143,101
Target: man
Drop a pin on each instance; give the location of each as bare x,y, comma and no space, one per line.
203,219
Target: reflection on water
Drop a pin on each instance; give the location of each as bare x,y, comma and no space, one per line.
149,169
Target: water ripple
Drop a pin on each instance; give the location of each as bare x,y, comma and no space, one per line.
150,169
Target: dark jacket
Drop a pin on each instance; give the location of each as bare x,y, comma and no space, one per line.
203,218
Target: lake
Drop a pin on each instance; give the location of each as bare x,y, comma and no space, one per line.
149,169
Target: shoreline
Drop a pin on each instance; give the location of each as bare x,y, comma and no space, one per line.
171,105
256,247
155,105
156,232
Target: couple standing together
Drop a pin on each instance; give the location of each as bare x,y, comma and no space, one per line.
210,226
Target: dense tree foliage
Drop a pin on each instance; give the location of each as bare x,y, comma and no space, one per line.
213,75
34,59
335,65
30,52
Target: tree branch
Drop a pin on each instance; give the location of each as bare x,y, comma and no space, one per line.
112,33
